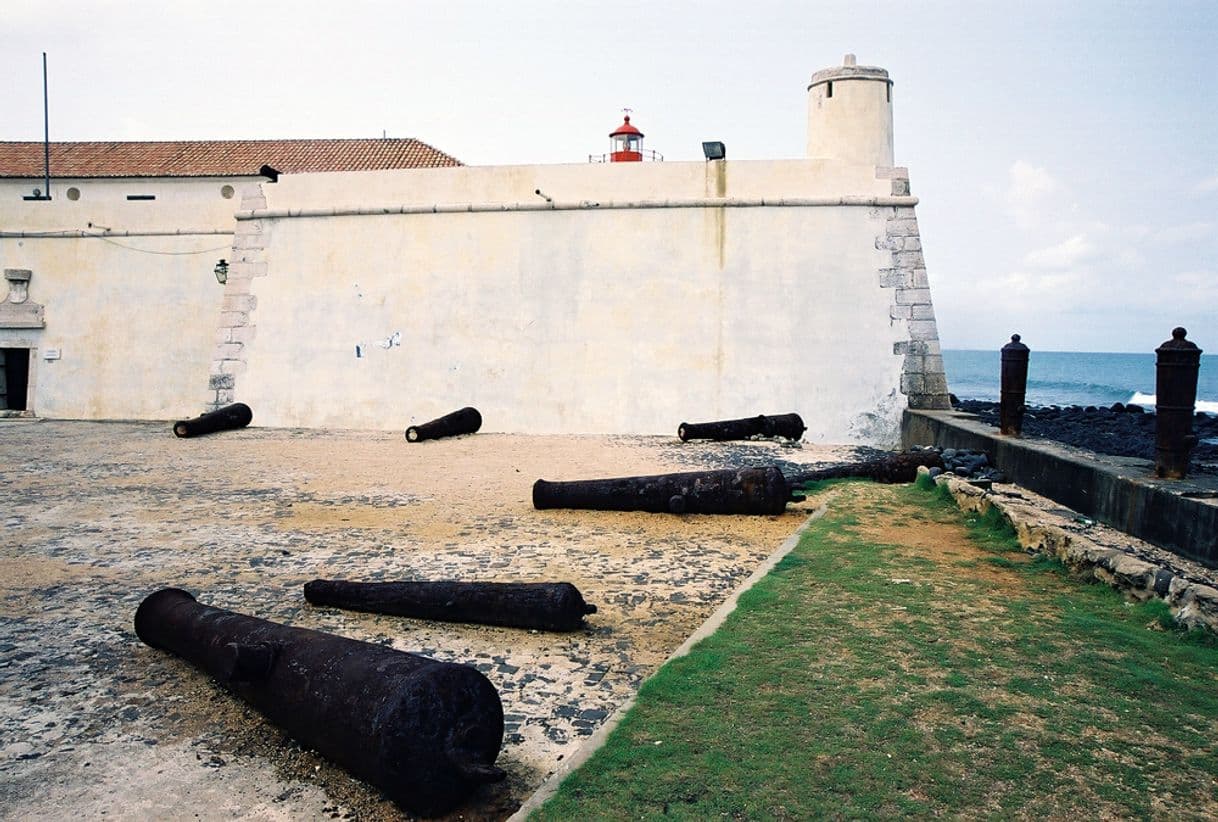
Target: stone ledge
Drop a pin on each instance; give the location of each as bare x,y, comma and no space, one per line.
1120,492
1193,603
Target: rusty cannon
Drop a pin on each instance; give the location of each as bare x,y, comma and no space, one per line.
893,468
547,606
728,491
790,426
425,732
462,421
228,418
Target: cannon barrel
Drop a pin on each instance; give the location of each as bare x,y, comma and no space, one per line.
548,606
425,732
790,426
462,421
894,468
728,491
237,415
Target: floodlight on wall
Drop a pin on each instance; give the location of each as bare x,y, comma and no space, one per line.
714,151
221,271
271,174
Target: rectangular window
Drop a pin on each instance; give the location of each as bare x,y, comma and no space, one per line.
141,196
829,89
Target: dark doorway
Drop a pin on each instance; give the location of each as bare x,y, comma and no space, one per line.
14,378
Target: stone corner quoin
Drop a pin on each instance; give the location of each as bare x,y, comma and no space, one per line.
923,380
236,329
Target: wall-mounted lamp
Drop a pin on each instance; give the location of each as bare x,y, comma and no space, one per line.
714,151
545,197
221,271
271,174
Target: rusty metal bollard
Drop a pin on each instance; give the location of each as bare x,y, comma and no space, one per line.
237,415
425,732
788,426
728,491
1177,365
462,421
1014,386
546,606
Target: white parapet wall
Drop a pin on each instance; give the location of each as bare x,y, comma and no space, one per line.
620,298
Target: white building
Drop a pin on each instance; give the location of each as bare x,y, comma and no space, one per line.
614,297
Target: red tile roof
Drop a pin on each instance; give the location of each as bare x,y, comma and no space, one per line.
217,158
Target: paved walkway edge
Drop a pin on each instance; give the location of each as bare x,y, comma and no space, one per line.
712,623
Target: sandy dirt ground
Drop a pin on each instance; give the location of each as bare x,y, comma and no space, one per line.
96,516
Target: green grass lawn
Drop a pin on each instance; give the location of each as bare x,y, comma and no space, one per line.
907,659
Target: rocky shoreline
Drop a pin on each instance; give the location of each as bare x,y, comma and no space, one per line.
1119,430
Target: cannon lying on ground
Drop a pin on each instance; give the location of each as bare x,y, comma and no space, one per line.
893,468
790,426
237,415
425,732
548,606
462,421
729,491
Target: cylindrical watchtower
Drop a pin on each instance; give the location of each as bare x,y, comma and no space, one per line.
850,114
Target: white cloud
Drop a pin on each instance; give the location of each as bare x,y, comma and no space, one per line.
1186,232
1067,254
1029,191
1198,286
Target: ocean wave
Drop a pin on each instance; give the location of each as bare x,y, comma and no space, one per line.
1148,400
1074,386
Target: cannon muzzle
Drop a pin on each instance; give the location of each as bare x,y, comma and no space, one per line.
790,426
463,421
547,606
425,732
729,491
237,415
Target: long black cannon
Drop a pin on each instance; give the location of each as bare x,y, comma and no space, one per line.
237,415
728,491
425,732
894,468
547,606
462,421
790,426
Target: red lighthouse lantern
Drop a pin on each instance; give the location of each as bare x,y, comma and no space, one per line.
626,144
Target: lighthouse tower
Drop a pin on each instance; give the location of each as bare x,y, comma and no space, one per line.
850,114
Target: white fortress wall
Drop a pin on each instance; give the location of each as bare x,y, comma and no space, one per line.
129,296
640,296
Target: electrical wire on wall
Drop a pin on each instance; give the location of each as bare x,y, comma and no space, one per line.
168,253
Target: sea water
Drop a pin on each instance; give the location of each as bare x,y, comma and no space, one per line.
1072,378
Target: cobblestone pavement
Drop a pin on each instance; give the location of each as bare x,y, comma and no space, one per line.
96,516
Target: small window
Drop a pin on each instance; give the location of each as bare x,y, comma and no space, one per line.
141,196
73,194
829,89
890,92
227,192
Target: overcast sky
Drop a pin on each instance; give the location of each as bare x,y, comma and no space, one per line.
1065,153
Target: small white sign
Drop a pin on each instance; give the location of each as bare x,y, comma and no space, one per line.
50,354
